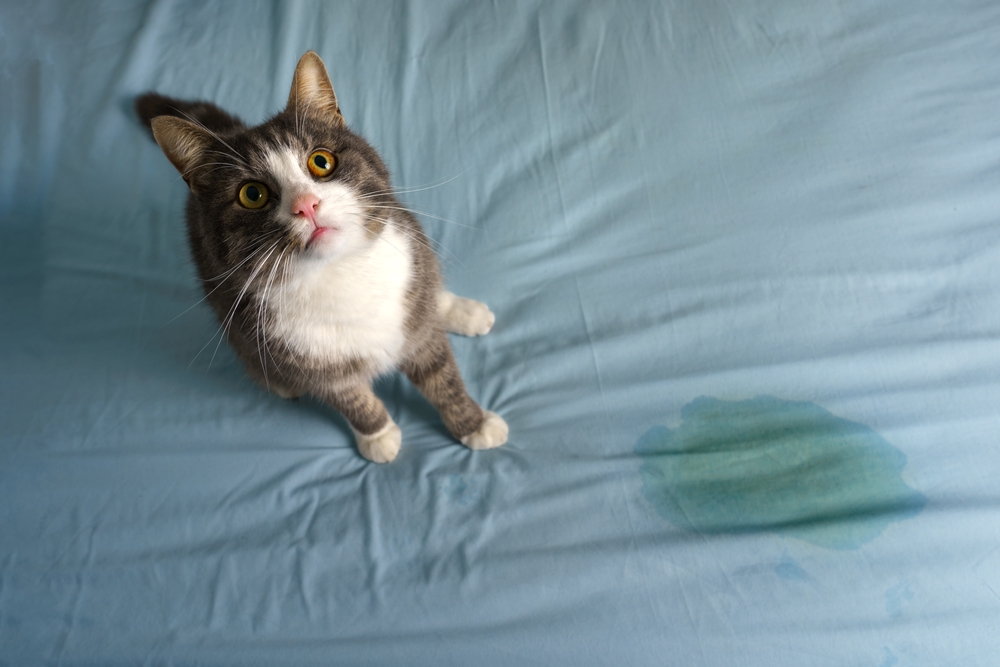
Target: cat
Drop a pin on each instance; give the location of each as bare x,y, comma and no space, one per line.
320,278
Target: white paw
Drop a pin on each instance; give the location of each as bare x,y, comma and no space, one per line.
492,433
464,316
380,447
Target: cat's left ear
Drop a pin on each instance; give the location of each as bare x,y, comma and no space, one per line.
312,90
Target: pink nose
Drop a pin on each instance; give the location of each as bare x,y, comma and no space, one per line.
306,205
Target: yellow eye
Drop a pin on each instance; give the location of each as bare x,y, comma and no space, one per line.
253,195
322,163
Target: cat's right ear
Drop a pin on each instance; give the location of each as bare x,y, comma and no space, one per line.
182,142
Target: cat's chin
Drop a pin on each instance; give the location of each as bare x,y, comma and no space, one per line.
325,242
321,233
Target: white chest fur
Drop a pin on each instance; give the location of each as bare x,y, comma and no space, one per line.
352,307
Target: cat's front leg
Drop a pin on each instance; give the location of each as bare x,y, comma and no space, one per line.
464,316
434,371
377,436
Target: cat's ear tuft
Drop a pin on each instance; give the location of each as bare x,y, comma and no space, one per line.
182,142
312,90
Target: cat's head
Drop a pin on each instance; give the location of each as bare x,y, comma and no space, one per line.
300,182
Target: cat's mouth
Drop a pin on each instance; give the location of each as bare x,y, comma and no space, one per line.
319,232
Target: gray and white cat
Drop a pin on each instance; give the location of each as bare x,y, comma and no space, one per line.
321,279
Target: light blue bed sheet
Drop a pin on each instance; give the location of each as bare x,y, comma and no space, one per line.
743,257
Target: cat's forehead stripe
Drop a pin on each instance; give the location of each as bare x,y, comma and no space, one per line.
288,168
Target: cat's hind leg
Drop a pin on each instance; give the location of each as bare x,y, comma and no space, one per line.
464,316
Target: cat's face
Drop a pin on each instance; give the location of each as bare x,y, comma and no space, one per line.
313,188
301,185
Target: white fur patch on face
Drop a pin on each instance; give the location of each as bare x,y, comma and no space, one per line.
338,211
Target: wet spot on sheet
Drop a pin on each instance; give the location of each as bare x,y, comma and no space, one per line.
464,490
788,467
889,658
789,570
896,599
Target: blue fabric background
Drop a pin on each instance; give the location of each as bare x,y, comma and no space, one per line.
659,200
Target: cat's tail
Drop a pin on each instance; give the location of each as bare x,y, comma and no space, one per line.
151,105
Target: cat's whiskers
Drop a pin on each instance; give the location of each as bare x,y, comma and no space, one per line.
231,316
281,298
281,306
261,335
217,165
214,170
429,215
224,276
222,153
227,322
424,241
392,245
415,188
255,244
254,247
